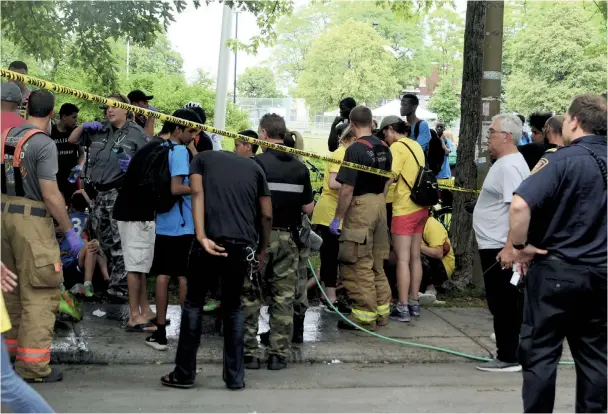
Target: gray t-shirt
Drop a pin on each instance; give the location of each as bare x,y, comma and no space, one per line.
105,148
491,215
39,162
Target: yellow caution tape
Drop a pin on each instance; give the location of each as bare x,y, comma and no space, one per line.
29,80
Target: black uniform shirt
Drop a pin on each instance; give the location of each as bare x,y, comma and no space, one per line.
289,183
534,152
368,151
567,199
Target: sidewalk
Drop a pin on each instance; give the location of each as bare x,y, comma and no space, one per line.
103,340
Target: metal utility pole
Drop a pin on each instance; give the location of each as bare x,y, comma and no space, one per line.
236,36
221,92
492,68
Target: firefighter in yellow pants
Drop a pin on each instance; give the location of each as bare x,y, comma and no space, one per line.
364,242
29,202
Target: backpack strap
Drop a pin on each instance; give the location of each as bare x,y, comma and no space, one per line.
417,128
417,162
28,134
3,143
19,191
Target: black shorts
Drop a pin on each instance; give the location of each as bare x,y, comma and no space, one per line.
171,255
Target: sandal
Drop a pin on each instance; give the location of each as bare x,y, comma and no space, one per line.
141,327
169,380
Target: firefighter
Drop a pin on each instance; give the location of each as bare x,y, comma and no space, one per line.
30,201
364,242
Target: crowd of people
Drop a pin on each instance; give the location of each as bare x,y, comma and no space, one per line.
238,228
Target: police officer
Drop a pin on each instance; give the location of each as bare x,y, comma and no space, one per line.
364,242
110,146
30,201
291,194
558,231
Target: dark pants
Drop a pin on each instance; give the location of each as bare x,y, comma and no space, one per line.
505,302
433,272
329,256
202,268
563,300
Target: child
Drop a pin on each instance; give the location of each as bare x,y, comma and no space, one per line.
90,254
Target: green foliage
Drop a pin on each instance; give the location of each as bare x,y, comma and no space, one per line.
445,102
43,28
361,67
552,54
258,83
446,30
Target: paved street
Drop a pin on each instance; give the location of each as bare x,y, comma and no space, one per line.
439,387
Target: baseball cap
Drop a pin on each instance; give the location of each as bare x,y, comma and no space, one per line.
137,95
11,93
389,120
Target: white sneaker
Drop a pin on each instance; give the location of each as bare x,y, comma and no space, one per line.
497,365
426,299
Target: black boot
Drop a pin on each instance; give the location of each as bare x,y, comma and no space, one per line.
276,363
234,334
252,362
298,329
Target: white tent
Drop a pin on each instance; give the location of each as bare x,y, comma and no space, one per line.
393,107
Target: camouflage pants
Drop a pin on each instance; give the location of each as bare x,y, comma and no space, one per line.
103,227
281,276
300,302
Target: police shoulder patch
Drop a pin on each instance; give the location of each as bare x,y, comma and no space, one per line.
542,163
551,150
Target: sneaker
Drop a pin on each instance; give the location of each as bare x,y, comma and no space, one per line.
326,307
69,306
414,307
252,362
158,342
77,289
400,313
87,291
276,363
426,299
211,305
344,308
496,365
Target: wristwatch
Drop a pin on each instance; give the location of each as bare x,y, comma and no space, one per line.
520,246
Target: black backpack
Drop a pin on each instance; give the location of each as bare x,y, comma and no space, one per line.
425,191
434,152
157,178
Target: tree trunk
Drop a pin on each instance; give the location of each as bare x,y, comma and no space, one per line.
461,229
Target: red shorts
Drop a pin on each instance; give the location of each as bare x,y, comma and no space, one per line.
410,224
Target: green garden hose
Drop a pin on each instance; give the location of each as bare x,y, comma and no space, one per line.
399,341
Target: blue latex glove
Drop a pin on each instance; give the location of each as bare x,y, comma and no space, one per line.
334,227
123,162
75,242
93,126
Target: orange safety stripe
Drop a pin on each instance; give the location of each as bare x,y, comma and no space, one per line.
34,350
33,359
22,141
10,341
3,143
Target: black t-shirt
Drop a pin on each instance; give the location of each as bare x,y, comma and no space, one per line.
368,151
132,204
233,186
533,152
289,181
67,153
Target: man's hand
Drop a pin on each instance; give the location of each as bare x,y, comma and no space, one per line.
334,227
524,257
8,280
506,257
261,258
212,248
337,120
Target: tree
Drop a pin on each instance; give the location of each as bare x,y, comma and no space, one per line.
446,30
257,83
361,67
445,102
461,229
552,56
42,28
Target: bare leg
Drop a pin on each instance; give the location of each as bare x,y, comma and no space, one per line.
311,283
89,265
183,288
162,288
415,266
103,266
402,248
331,294
135,317
144,304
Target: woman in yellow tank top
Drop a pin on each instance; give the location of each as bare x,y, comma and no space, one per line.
16,394
324,213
